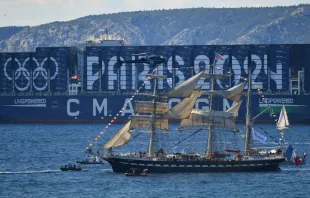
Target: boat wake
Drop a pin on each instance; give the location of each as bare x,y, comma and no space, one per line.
295,169
301,143
106,169
29,172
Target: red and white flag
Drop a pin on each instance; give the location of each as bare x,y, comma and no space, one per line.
295,158
218,56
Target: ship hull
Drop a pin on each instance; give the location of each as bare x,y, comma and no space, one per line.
84,109
123,164
42,81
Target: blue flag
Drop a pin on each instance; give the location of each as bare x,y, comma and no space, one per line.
289,152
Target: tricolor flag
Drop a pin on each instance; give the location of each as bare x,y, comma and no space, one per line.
218,56
295,158
289,152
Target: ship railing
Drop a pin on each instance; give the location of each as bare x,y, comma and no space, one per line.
113,93
256,154
29,94
99,93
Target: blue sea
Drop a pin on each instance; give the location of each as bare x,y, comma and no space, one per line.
31,154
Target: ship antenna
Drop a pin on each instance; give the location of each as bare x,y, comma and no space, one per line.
248,113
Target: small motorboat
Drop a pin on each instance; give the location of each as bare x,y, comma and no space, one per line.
70,167
136,172
89,162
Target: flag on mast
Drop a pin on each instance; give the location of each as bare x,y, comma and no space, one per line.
259,137
74,77
289,152
218,56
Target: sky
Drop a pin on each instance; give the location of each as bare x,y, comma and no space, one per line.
36,12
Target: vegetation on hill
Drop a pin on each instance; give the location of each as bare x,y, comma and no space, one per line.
197,26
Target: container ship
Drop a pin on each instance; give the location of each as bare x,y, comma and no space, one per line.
87,83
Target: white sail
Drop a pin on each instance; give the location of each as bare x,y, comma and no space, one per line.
184,108
219,119
121,138
283,123
234,109
186,88
233,93
142,121
147,107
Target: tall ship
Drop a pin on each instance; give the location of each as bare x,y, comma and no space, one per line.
153,115
87,83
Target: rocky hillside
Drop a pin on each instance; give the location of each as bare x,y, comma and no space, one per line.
7,32
198,26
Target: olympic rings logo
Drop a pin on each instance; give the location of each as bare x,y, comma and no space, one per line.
22,71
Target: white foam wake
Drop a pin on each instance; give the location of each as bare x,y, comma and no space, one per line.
29,172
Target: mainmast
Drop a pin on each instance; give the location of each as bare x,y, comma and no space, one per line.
210,128
248,113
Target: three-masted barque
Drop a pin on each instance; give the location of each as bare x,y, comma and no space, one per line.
154,115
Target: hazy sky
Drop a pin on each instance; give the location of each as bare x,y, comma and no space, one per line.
35,12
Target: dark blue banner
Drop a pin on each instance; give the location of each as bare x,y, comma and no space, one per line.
6,72
270,66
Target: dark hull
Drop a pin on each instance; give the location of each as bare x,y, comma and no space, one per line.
84,109
123,164
134,175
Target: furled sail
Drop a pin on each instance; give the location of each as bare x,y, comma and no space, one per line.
141,121
234,109
147,107
219,119
233,93
283,123
186,88
121,138
184,108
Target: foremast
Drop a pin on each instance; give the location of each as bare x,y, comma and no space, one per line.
146,112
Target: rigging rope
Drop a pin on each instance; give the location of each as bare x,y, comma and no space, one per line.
270,135
113,120
187,137
136,93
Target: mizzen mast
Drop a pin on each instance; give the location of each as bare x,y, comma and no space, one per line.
248,123
151,148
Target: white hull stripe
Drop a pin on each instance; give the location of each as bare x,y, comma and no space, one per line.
188,166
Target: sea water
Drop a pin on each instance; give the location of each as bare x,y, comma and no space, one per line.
31,154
